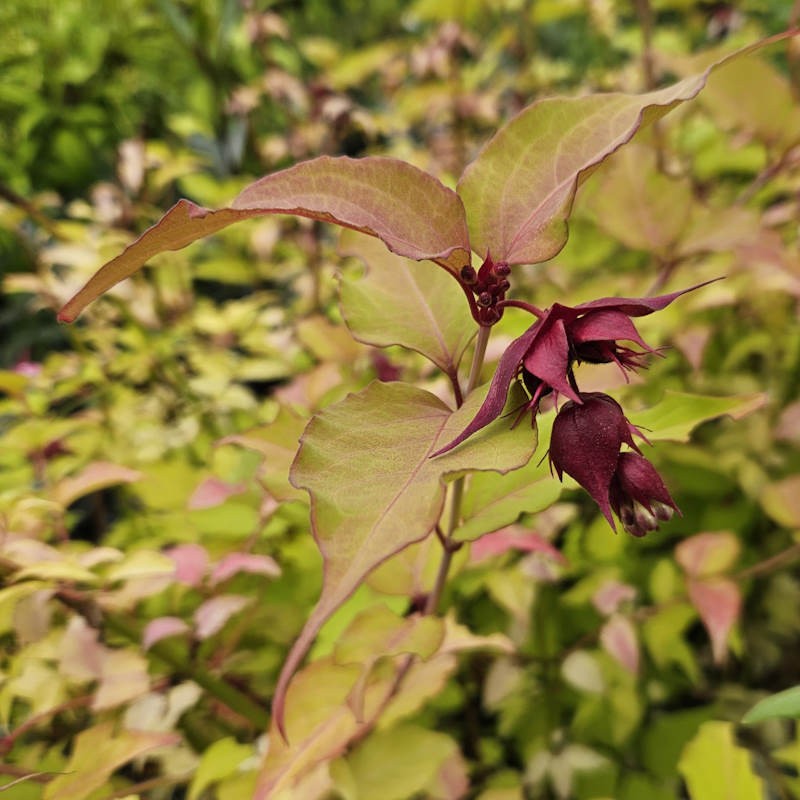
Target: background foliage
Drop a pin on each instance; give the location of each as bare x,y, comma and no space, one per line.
157,564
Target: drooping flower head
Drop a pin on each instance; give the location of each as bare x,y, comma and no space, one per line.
544,355
586,443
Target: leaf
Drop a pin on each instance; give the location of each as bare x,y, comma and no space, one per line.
161,628
707,554
719,603
781,501
191,563
494,501
277,442
639,205
402,302
414,214
783,704
220,760
518,192
252,563
678,413
213,492
514,537
374,489
402,762
715,768
619,640
97,754
94,477
211,616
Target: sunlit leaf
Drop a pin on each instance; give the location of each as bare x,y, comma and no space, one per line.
519,190
162,628
707,554
618,637
253,563
212,615
219,761
370,455
411,211
97,754
96,476
403,302
716,768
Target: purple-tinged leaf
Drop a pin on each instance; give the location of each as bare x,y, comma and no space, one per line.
414,214
718,602
517,538
191,563
518,192
94,477
619,640
212,615
611,595
374,489
402,302
213,492
253,563
708,554
162,628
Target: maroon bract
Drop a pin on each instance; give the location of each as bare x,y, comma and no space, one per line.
586,442
545,354
638,495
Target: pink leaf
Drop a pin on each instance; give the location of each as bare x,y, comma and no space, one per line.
244,562
213,614
409,210
718,601
213,492
708,554
608,598
191,563
514,537
619,640
94,477
161,628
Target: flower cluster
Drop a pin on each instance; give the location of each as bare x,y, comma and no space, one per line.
591,428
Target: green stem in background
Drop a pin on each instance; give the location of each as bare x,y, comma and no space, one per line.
458,485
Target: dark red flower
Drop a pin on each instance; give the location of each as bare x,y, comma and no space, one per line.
544,355
585,443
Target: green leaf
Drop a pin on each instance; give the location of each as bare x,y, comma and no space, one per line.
715,768
639,205
97,754
277,442
518,192
414,214
782,704
374,488
219,761
403,762
678,413
400,301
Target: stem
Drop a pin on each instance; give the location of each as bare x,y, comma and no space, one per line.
535,310
477,357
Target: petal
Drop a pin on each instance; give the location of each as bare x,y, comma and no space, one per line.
638,307
495,400
585,444
548,357
606,325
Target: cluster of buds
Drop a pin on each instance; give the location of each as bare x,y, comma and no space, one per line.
590,430
486,289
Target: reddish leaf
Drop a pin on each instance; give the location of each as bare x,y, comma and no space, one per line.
191,563
708,554
519,191
212,492
514,537
608,598
244,562
212,615
413,213
161,628
94,477
718,601
618,637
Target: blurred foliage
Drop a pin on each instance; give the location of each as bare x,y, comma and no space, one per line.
156,563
